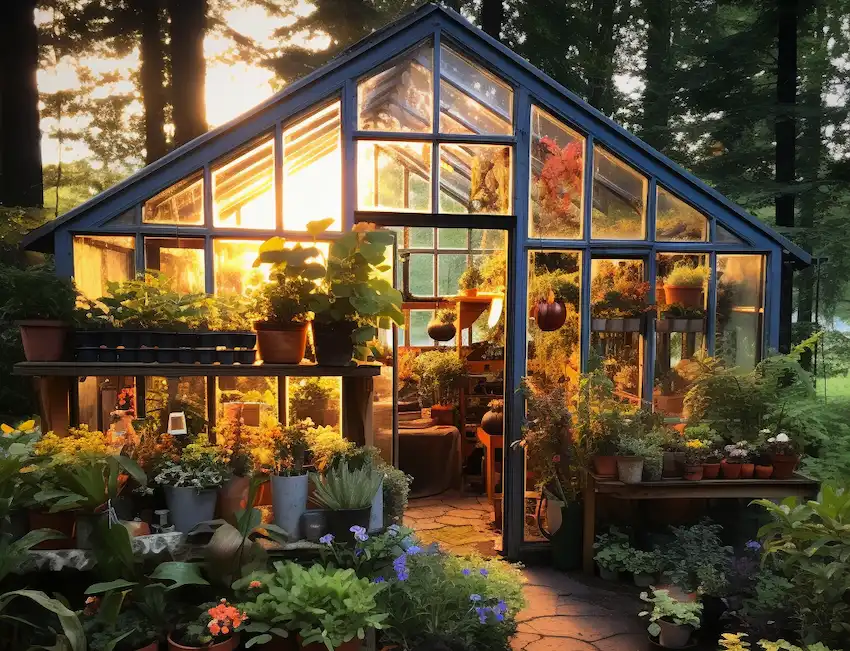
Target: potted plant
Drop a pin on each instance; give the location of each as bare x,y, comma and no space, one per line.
618,297
348,495
329,608
613,550
235,438
711,463
440,373
670,398
355,297
442,326
695,451
217,629
631,452
42,305
128,630
191,483
493,421
470,280
282,302
678,318
671,621
289,480
784,455
606,426
734,457
684,284
643,565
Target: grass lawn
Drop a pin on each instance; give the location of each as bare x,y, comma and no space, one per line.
834,387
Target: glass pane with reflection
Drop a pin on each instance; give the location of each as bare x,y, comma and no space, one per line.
243,189
385,175
676,221
472,100
182,203
181,259
740,309
233,267
475,179
317,398
99,259
619,199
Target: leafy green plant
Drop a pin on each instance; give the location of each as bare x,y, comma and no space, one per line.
613,550
36,293
72,634
325,605
734,642
665,607
809,543
201,465
684,275
639,561
343,488
13,553
396,489
445,316
439,374
471,277
633,446
311,395
326,445
291,448
692,548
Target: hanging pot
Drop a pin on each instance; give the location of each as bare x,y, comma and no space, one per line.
684,296
281,343
550,316
334,346
340,522
43,340
784,465
289,501
190,506
630,469
493,422
441,331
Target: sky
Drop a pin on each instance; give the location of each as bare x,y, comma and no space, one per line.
231,88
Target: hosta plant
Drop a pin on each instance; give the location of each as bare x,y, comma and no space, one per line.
665,607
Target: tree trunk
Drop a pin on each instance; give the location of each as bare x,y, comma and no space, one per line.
786,132
656,98
20,135
492,17
188,68
152,78
601,76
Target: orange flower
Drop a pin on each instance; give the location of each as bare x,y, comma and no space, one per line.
225,630
255,584
214,627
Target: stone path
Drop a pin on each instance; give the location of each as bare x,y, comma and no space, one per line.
565,614
458,523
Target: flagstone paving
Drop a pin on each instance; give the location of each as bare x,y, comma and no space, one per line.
458,523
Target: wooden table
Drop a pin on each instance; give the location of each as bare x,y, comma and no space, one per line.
798,486
491,443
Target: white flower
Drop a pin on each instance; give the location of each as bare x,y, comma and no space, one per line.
772,439
782,437
766,430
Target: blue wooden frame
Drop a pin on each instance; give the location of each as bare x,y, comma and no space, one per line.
337,81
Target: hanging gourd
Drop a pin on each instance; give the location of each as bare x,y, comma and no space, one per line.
442,326
550,315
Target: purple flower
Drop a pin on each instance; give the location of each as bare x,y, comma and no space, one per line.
413,550
483,571
378,579
402,575
500,607
400,567
475,598
499,616
358,552
359,533
466,571
753,545
482,614
327,539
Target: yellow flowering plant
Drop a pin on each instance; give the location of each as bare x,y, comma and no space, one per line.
696,451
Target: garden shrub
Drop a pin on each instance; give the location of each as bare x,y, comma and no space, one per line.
696,554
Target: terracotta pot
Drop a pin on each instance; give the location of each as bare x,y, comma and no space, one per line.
747,470
232,496
443,414
228,645
264,495
469,292
605,466
281,344
43,340
62,522
710,470
493,422
730,470
550,316
764,472
153,646
784,465
674,636
630,469
441,331
693,473
685,296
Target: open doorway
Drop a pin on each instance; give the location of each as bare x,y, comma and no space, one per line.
451,369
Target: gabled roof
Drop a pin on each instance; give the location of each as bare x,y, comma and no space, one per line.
605,130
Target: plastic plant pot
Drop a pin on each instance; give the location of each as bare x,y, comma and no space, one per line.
205,355
127,355
147,355
128,338
207,339
244,339
107,355
166,339
186,355
110,337
146,339
43,340
187,340
225,356
166,355
86,354
87,338
246,356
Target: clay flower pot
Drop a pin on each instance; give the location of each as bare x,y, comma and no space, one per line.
710,470
747,470
784,465
730,470
227,645
764,472
281,344
443,414
43,340
493,422
685,296
693,473
469,293
674,636
605,465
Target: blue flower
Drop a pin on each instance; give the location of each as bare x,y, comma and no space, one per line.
359,533
482,614
378,579
327,539
475,598
753,545
500,607
402,576
413,550
466,571
499,616
483,571
358,552
400,567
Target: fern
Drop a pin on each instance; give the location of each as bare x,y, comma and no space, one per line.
343,488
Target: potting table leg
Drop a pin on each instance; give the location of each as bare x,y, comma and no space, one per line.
589,528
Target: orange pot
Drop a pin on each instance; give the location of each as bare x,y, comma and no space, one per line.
685,296
153,646
764,472
747,470
232,497
784,465
443,414
710,470
605,465
280,344
730,470
469,292
43,340
693,473
228,645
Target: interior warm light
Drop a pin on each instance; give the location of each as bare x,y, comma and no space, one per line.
243,190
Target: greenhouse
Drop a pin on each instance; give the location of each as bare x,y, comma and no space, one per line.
531,237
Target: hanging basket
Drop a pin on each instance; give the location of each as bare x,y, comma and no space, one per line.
550,316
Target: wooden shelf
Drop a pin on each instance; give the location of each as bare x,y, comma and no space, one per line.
88,369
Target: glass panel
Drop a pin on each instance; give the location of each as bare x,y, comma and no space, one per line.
471,99
449,269
681,292
385,171
418,328
618,303
452,238
420,237
676,221
421,274
101,258
166,395
180,259
312,159
740,309
251,399
126,218
619,199
233,268
182,203
475,179
400,98
243,189
317,398
557,178
726,236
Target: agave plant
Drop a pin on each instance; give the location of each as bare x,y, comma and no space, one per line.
343,488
